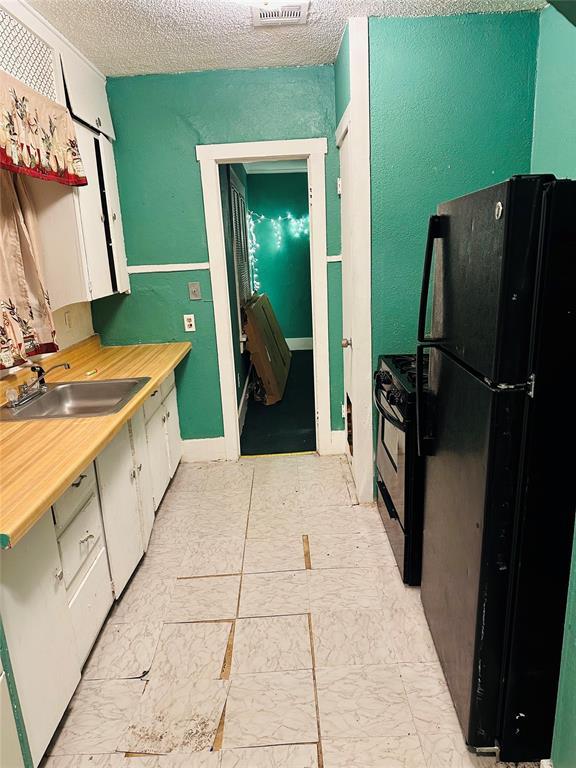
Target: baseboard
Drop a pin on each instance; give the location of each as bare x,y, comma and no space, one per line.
243,407
337,443
207,449
296,345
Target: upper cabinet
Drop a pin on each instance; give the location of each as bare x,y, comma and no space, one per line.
86,91
80,229
95,221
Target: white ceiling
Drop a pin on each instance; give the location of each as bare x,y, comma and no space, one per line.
129,37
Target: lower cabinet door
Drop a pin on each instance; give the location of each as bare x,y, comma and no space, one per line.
90,605
143,476
158,455
173,431
120,512
39,634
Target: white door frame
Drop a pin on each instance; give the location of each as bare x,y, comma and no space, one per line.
356,118
210,156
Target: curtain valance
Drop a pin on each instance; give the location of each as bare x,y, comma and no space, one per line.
37,135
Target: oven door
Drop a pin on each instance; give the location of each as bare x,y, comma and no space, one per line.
391,455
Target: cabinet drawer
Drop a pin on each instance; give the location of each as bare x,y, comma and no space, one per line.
152,404
167,385
80,538
75,497
90,605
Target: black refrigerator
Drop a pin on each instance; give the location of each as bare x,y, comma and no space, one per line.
497,424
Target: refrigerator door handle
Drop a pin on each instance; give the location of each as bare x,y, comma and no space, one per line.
424,442
437,229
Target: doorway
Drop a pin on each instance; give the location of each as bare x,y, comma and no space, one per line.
275,196
212,157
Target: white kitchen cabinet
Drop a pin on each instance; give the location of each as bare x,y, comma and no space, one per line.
172,426
158,454
143,475
90,604
114,214
39,634
86,91
120,510
97,254
10,752
62,247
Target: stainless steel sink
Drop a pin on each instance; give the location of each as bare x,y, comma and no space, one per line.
77,399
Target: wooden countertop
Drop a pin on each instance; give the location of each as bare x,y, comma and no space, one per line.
39,459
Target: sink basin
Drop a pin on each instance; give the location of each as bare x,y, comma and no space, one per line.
77,399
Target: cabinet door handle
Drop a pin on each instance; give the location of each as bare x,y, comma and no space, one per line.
78,482
139,467
168,415
98,122
133,474
59,574
154,393
163,419
87,538
114,217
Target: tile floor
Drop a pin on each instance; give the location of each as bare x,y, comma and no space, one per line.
266,627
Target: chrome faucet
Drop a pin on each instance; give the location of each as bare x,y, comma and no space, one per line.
30,391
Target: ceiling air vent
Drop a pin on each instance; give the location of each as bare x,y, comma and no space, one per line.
279,14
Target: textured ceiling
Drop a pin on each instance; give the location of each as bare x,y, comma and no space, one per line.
129,37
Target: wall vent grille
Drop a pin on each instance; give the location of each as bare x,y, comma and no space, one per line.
279,14
26,57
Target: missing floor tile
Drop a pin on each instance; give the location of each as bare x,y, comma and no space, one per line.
219,737
227,663
307,561
319,745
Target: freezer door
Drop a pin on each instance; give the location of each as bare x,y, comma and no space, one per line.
469,490
484,275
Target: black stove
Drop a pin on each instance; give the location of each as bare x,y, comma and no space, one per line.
400,470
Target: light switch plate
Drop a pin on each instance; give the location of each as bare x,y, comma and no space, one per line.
189,322
194,291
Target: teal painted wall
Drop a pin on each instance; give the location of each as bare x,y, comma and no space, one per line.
554,147
153,313
451,111
283,263
159,120
342,76
554,151
335,344
564,744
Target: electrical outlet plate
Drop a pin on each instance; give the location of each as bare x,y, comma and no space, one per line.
189,322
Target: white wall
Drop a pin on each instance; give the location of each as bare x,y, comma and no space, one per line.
73,324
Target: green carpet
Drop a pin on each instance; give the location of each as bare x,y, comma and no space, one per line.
288,426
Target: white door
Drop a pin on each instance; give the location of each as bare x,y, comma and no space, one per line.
39,633
158,454
347,291
143,475
173,431
120,512
92,217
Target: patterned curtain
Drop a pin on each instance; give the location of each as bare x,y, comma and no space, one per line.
26,325
37,135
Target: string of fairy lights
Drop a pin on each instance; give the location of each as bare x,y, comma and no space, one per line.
282,227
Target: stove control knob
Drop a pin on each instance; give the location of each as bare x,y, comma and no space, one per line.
383,378
395,397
